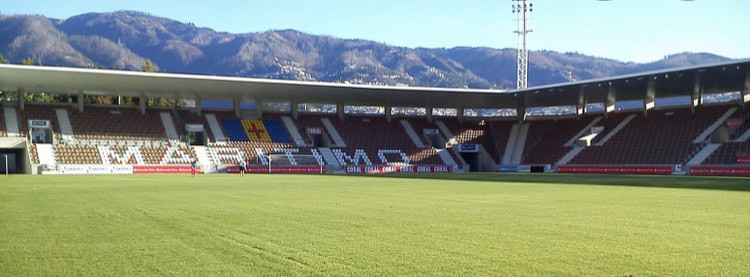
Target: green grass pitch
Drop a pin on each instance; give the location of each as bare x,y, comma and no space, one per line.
397,225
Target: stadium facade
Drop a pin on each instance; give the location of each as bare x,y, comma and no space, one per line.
692,120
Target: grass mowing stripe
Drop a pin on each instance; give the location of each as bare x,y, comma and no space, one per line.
459,224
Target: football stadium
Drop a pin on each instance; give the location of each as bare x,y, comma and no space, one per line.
646,174
630,175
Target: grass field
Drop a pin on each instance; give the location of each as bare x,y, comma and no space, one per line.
450,225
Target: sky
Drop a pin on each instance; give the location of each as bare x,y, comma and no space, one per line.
624,30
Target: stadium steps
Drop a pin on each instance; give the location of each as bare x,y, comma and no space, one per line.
520,143
11,121
450,139
508,153
207,164
446,157
708,131
414,137
570,155
337,139
330,158
213,124
743,137
66,129
707,151
46,153
169,128
583,132
293,131
615,130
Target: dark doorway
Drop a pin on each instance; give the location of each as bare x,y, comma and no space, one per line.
472,159
14,159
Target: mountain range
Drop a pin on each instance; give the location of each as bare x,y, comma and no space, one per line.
126,39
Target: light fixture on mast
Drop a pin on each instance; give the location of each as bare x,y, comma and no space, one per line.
522,8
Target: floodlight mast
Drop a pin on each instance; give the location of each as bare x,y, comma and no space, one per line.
522,8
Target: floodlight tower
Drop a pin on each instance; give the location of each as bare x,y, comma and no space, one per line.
522,8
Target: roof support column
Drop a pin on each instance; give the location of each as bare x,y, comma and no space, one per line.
697,95
21,98
295,109
521,106
581,106
340,110
746,89
80,101
460,115
428,113
198,105
142,103
521,113
388,116
236,103
258,109
609,104
648,101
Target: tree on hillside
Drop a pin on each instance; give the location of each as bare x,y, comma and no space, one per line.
149,66
37,96
2,59
160,102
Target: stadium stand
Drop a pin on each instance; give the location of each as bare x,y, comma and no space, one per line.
117,124
110,135
546,139
500,133
660,137
476,132
728,152
378,139
77,154
40,112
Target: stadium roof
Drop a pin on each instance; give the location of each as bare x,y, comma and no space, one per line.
731,76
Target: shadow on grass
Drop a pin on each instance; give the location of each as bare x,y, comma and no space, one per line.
670,181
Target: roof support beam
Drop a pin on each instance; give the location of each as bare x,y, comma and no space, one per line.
746,88
198,105
428,113
609,102
388,115
697,95
648,101
80,101
460,115
258,109
295,109
142,102
521,106
340,110
581,106
521,114
21,95
236,105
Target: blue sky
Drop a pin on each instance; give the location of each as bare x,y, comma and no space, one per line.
626,30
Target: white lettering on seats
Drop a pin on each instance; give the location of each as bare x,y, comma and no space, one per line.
359,155
175,155
109,156
226,155
384,160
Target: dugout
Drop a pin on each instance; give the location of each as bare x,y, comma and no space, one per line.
14,161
